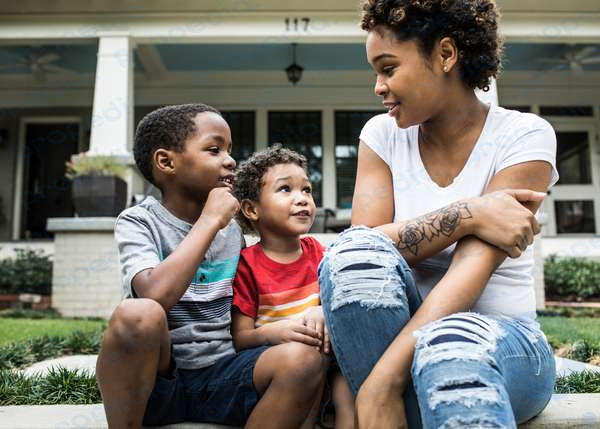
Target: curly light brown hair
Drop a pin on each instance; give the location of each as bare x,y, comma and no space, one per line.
472,24
251,173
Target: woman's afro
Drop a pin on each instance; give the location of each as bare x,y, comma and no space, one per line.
472,24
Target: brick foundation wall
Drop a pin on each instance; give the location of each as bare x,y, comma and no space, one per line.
86,281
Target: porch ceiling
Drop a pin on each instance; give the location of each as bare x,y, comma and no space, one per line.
262,57
81,58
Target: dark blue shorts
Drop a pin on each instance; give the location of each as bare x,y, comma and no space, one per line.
221,393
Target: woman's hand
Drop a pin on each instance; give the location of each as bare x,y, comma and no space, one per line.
285,331
500,218
380,404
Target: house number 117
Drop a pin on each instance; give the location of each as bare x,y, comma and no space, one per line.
295,24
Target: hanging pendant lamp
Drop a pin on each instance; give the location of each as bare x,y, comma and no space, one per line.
294,70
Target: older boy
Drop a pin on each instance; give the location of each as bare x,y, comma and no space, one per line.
168,356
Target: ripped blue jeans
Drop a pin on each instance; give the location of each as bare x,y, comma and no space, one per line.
469,370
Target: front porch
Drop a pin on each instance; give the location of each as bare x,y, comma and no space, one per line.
99,69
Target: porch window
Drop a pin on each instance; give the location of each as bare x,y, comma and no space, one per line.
575,200
348,125
567,111
575,217
523,109
573,158
301,131
242,127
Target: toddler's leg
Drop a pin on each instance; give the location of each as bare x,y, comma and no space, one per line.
289,377
343,402
135,347
315,411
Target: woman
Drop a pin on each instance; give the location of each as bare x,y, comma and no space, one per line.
448,185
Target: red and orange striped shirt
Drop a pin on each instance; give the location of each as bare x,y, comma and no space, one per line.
269,291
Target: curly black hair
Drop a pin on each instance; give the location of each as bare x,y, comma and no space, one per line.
165,128
472,24
250,175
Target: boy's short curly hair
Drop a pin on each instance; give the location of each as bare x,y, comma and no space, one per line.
250,175
472,24
165,128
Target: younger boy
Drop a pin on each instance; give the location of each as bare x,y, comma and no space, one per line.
168,355
276,290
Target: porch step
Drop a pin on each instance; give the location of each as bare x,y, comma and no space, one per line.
580,411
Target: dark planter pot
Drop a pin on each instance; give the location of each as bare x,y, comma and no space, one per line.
102,196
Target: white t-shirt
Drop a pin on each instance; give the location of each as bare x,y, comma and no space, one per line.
508,138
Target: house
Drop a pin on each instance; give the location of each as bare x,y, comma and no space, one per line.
77,76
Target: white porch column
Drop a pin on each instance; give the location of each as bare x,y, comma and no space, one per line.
112,116
329,183
261,132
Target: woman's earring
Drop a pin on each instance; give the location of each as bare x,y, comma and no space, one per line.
445,68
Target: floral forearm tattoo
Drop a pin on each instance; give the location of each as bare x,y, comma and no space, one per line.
426,227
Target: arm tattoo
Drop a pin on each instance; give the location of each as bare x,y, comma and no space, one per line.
426,227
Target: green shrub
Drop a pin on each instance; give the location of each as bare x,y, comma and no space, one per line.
95,165
82,342
60,386
65,386
14,387
23,353
572,276
30,271
28,313
569,312
578,382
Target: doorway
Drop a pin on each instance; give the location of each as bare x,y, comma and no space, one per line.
45,191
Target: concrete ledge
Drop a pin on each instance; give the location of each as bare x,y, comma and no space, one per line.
581,411
575,411
83,224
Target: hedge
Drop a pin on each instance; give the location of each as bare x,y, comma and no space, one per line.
30,271
572,276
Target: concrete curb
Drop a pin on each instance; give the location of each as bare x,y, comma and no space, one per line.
581,411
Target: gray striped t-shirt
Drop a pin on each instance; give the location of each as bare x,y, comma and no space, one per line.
199,323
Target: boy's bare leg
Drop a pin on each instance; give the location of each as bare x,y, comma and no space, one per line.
343,401
136,346
289,377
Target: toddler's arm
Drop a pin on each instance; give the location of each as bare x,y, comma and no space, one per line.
246,336
315,319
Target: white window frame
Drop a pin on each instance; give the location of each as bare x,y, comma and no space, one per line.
576,192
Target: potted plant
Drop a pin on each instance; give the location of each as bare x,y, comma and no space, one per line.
98,185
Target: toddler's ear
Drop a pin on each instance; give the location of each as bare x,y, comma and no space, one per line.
249,210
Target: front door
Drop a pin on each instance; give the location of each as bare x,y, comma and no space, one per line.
46,191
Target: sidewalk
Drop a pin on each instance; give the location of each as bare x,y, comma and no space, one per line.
577,411
563,412
88,363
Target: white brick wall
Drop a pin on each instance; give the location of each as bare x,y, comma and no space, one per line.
86,279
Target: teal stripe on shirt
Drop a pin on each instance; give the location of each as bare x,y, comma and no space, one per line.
216,271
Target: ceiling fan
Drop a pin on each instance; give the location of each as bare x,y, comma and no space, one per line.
38,63
574,60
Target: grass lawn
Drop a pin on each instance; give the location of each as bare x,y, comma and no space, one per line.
12,330
568,330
